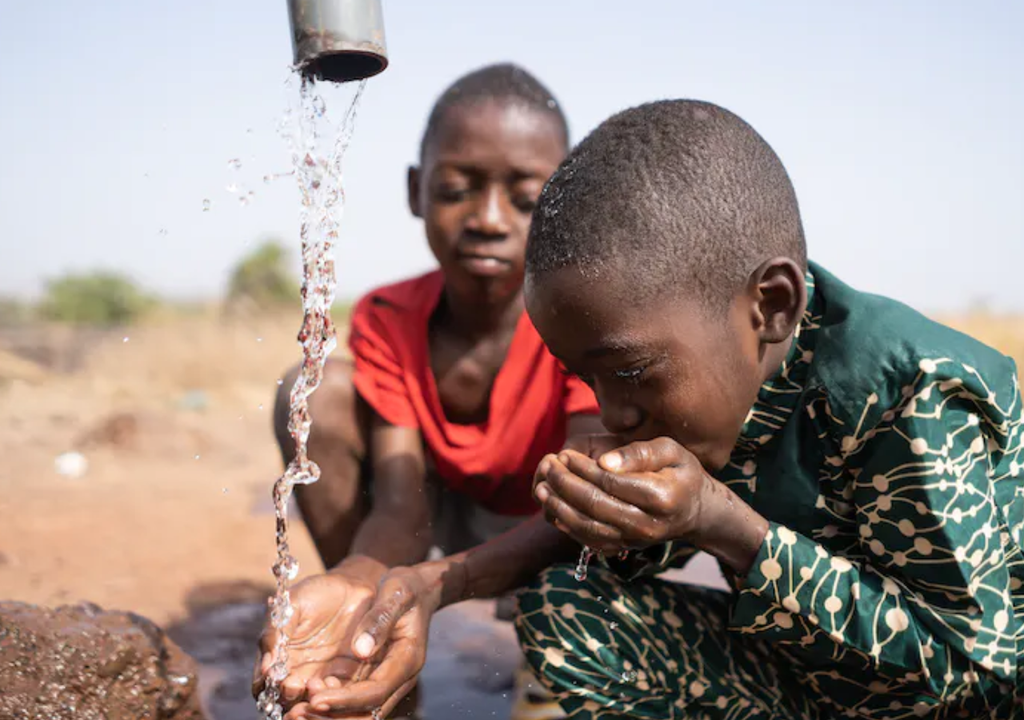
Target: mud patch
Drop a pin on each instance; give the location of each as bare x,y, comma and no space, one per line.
78,662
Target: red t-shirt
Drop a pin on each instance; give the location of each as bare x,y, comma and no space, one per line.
530,402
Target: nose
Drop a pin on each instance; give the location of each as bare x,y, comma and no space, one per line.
490,216
618,415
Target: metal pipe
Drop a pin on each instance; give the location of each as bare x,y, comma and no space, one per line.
338,40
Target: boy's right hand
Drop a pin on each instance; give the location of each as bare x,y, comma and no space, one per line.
327,611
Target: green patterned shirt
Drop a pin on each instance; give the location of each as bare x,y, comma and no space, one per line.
887,456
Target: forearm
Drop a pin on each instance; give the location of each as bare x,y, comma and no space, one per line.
394,537
729,529
501,565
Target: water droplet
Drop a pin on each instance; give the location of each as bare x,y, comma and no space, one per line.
163,231
278,671
196,457
629,676
206,205
280,381
376,714
552,104
235,163
613,626
248,131
125,339
269,178
581,565
259,339
224,490
231,188
260,406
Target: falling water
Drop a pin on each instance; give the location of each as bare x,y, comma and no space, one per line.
319,181
586,554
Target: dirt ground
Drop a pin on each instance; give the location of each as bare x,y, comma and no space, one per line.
174,423
172,511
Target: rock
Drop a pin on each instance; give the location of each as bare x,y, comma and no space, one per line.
78,662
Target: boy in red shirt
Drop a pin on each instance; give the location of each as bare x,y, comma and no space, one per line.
430,438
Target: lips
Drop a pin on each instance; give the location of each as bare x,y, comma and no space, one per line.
483,265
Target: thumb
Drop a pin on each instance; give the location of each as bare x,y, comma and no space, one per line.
644,456
394,599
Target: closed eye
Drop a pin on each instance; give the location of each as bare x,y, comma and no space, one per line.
631,375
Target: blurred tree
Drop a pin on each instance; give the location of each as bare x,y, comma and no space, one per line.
100,297
262,279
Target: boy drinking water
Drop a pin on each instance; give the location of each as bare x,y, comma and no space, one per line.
854,467
431,435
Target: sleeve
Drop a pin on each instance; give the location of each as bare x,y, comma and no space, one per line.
924,601
379,377
579,399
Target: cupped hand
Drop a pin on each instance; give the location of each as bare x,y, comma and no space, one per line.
391,639
327,610
614,499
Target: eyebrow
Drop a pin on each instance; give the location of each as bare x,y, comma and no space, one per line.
517,173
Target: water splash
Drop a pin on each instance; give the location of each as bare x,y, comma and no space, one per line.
322,199
206,204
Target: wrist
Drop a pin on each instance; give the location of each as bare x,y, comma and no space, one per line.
446,580
728,528
361,566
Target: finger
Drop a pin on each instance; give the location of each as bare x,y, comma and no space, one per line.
584,530
645,456
543,468
394,598
293,687
396,671
259,673
634,488
300,711
591,501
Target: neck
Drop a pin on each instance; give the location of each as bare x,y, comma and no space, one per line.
477,317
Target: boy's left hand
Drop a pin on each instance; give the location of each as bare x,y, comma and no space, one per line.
631,497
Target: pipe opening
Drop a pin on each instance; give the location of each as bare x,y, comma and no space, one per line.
344,66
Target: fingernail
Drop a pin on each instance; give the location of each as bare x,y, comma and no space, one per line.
612,461
563,458
542,493
364,645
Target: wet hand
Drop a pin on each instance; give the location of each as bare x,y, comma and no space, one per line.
327,609
391,640
620,498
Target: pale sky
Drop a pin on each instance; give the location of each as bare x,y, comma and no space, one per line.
899,121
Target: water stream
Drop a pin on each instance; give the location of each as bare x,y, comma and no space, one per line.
319,178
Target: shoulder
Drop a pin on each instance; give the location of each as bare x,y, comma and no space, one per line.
873,350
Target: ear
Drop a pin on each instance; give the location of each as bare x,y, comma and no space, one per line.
781,298
413,188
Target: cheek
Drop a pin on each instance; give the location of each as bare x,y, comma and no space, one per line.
443,225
